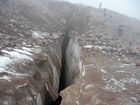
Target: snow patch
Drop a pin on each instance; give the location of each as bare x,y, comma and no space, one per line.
55,36
4,61
77,102
89,65
98,47
22,85
46,85
37,34
83,73
103,71
88,46
17,55
27,49
36,49
120,71
124,65
6,78
23,51
89,86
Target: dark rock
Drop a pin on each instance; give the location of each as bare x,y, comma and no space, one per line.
137,63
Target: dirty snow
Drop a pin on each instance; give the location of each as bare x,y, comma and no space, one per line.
134,99
114,85
4,63
56,77
10,58
131,80
118,83
29,98
110,88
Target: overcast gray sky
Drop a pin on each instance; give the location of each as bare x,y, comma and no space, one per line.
128,7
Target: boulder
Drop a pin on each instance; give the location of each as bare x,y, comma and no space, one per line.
126,61
137,63
134,50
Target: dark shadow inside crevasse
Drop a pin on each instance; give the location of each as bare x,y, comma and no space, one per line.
57,101
63,83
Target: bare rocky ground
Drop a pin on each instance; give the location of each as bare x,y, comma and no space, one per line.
102,57
102,80
103,63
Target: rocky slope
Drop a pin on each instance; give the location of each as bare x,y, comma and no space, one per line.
30,61
48,46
